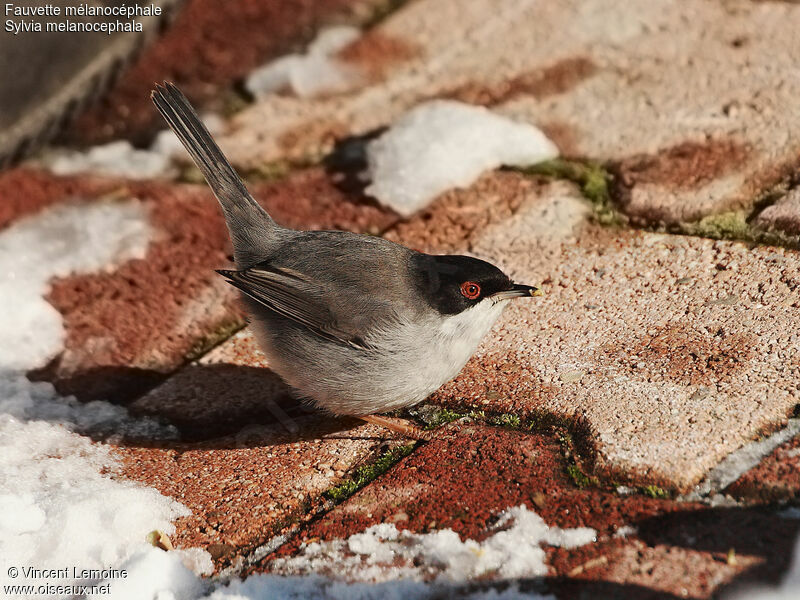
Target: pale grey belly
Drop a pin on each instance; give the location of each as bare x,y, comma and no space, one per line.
351,381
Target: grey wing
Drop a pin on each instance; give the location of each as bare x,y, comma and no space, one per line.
294,296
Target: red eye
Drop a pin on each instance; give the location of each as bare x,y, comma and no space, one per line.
470,289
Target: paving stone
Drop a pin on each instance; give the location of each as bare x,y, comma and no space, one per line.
663,353
782,216
26,191
251,460
206,50
127,329
688,101
776,478
645,548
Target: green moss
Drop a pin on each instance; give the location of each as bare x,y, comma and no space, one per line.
381,11
443,416
505,420
734,226
655,492
271,171
581,479
207,342
722,226
593,180
368,473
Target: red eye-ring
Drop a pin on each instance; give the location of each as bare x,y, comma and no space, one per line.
470,289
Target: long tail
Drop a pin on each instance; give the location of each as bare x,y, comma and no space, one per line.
252,230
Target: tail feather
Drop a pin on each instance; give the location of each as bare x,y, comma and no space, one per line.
251,228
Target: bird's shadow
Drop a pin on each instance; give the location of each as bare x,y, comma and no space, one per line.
212,406
222,406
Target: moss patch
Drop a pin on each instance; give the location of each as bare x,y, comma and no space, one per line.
205,343
594,182
442,416
382,11
729,225
367,473
506,420
581,479
655,491
734,226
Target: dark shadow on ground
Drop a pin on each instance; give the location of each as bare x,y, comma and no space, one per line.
212,406
742,531
224,406
220,406
347,162
116,384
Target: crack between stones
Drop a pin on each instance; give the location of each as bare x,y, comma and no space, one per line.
594,180
736,464
380,464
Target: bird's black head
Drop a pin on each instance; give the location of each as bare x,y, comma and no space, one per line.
452,284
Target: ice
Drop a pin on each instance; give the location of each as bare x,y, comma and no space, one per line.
382,553
314,73
445,144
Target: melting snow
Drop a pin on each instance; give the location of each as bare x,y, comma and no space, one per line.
311,74
60,504
121,159
444,144
158,575
382,552
54,243
117,158
314,587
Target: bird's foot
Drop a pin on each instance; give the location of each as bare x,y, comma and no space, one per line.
402,426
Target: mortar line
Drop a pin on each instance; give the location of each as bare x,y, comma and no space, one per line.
737,463
277,541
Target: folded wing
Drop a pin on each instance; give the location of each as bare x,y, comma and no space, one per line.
294,296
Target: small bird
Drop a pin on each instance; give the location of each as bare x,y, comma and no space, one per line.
355,323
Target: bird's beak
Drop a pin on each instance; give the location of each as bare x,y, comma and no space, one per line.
518,290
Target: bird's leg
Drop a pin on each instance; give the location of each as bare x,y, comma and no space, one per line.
402,426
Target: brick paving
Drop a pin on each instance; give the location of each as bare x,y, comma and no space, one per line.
651,357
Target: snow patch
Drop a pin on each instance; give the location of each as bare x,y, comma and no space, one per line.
625,531
314,587
382,553
445,144
383,562
155,574
63,507
118,158
60,502
312,74
54,243
121,159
